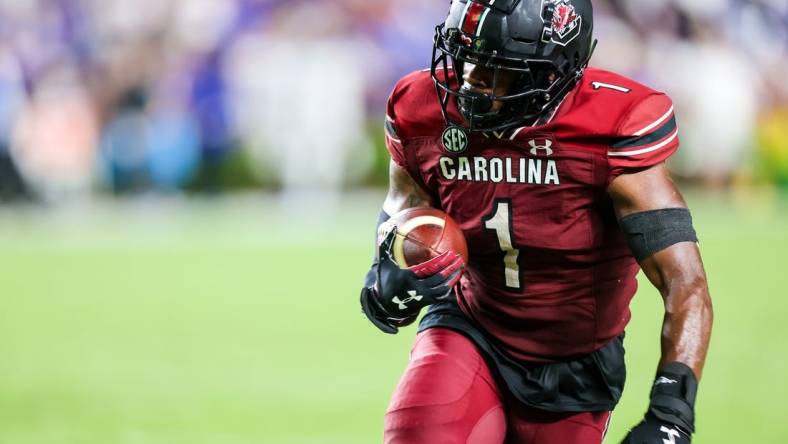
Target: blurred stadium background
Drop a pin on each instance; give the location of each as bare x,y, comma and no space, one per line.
188,188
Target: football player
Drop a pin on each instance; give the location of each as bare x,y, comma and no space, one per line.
555,172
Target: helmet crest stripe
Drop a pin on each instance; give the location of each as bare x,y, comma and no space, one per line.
481,21
472,17
465,14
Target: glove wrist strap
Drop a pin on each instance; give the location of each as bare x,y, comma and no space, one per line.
673,396
372,275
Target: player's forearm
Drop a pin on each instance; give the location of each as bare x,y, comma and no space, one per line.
395,203
686,329
403,192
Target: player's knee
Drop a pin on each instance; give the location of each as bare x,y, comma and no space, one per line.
416,426
446,395
442,369
491,428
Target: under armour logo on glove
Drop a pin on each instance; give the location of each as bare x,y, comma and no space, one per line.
403,304
672,435
664,380
654,431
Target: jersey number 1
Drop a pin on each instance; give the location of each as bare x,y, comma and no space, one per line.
500,220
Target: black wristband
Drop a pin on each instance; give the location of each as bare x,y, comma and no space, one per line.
673,396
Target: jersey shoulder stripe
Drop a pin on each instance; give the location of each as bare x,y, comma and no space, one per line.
649,149
657,134
655,123
640,141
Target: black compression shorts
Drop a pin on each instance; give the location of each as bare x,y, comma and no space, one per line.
590,383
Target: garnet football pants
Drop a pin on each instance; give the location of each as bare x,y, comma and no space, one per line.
448,396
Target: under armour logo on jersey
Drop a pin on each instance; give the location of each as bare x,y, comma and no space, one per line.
664,380
403,304
672,435
547,147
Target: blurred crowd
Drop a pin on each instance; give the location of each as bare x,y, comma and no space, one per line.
117,96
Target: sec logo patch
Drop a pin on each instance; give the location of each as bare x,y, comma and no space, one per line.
455,139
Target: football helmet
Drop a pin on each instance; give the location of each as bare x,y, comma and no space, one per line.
546,43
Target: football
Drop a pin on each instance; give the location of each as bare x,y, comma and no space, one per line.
422,234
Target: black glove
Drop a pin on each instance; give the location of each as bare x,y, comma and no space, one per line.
654,431
671,412
398,294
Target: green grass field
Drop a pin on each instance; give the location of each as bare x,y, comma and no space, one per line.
230,322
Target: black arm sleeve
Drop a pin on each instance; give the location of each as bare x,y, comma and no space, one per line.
649,232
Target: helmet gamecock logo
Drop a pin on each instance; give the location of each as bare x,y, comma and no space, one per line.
564,19
565,22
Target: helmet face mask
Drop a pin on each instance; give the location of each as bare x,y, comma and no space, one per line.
544,72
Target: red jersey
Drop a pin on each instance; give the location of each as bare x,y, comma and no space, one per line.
550,275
